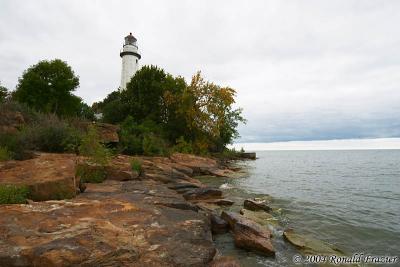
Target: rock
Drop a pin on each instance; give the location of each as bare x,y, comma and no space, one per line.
218,225
225,261
120,169
255,205
199,165
112,224
183,185
220,202
310,246
260,217
47,177
222,172
248,234
203,193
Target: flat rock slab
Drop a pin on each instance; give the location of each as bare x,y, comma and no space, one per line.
248,234
310,246
203,193
111,224
47,176
199,165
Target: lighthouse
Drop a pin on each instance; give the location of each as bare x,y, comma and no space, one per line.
130,60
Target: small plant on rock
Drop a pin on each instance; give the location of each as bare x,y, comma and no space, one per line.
136,166
94,169
4,154
12,194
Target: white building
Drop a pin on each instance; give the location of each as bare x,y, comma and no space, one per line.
130,60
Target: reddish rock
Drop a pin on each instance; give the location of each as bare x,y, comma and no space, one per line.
199,165
248,234
111,224
203,193
48,176
256,205
225,261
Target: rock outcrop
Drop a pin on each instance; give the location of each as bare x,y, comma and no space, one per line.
111,224
248,234
256,205
47,176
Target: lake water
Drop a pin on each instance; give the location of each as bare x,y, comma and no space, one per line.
350,199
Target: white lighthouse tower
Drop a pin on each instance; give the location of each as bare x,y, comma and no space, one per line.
130,60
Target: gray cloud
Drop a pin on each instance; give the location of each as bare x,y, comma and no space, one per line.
303,69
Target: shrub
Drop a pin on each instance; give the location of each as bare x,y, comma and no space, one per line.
136,165
14,146
154,145
4,154
182,146
50,134
91,174
93,148
11,194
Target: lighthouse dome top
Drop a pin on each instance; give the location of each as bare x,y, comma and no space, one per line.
130,39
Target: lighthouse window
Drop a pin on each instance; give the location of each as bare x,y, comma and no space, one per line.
136,60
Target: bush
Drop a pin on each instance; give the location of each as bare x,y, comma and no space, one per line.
11,194
4,154
50,134
154,145
93,148
182,146
14,145
136,165
91,174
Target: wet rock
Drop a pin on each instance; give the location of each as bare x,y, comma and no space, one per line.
248,234
310,246
222,172
221,202
203,193
218,225
225,261
47,176
260,217
111,224
256,205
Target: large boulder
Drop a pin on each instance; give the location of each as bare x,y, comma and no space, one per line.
111,224
248,234
47,176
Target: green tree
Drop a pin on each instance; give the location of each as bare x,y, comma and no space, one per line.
48,86
3,93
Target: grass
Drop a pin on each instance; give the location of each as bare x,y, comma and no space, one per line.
136,166
4,154
12,194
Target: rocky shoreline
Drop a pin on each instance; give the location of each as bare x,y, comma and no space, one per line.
161,216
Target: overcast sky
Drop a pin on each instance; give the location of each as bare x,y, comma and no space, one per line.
303,70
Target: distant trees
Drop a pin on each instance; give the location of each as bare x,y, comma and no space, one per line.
48,86
3,93
158,110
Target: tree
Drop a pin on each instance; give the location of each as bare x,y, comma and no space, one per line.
3,93
211,118
48,86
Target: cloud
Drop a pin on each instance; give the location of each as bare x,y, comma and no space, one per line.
303,70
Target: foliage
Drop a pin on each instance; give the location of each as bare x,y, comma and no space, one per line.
4,154
158,110
136,165
92,147
48,86
12,194
182,146
3,93
91,174
154,145
50,134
